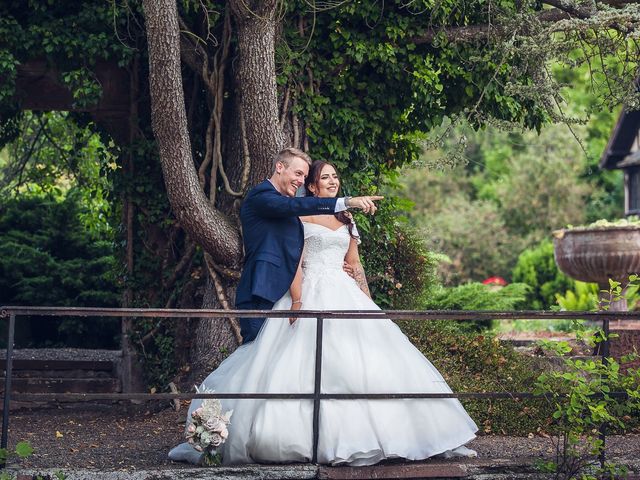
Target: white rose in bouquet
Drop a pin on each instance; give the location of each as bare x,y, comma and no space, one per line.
216,440
208,428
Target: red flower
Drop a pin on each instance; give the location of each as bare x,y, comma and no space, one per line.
494,281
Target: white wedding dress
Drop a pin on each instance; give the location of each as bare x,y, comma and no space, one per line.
358,356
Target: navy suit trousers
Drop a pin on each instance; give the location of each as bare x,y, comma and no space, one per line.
250,326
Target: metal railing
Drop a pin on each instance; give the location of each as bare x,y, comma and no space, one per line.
12,312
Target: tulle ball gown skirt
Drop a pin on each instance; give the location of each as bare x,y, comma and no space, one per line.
358,356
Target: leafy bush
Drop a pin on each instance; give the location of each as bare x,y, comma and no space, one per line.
21,450
47,258
583,298
472,362
537,268
400,270
476,296
582,394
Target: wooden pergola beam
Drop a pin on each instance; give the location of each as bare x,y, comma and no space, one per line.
39,87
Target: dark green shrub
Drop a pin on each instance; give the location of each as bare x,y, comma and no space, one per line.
472,362
537,268
400,270
48,259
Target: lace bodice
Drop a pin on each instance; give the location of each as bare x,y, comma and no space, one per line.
324,248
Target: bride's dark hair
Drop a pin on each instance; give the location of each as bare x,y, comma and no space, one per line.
313,178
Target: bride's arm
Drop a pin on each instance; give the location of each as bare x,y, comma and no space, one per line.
353,259
296,292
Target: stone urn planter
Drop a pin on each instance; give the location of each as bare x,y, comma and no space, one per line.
597,254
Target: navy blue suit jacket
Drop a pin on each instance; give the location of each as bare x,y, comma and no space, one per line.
273,240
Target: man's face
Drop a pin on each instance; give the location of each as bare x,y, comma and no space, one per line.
289,178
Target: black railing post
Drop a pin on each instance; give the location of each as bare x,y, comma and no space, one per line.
606,348
7,381
316,390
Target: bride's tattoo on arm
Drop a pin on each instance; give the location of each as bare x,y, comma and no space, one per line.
361,279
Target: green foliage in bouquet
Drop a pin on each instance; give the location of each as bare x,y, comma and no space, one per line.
537,268
207,429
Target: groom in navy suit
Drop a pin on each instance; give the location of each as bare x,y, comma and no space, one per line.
274,235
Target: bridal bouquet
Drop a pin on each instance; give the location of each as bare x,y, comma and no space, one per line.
208,428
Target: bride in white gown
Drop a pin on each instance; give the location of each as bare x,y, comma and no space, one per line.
358,356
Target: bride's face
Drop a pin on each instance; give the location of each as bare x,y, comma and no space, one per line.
328,183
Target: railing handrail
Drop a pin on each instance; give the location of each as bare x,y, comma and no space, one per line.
38,397
319,315
5,311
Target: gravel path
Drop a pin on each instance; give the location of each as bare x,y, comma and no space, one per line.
138,437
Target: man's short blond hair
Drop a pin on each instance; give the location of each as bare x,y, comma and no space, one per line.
285,156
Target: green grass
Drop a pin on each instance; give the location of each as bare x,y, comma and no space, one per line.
532,326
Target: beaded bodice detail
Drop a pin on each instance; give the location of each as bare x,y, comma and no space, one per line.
324,248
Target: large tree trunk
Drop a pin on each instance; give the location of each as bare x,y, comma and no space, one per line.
255,81
215,340
208,227
248,153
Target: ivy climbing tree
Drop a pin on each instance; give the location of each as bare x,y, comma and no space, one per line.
224,85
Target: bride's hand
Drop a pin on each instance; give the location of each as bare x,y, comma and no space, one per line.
349,269
297,305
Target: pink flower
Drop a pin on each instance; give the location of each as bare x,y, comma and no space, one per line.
214,424
197,412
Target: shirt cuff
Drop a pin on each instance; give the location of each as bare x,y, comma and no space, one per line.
340,206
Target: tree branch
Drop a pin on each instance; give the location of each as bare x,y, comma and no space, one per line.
471,33
22,163
574,10
63,154
181,266
563,10
222,297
